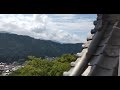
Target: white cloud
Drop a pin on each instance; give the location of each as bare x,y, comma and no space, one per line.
57,27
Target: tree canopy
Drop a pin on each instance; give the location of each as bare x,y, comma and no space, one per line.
43,67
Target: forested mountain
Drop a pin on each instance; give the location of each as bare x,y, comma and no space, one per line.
17,47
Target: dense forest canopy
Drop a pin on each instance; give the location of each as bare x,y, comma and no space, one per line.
17,47
43,67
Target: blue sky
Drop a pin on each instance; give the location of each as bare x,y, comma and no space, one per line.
64,28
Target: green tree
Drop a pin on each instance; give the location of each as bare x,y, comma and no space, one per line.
42,67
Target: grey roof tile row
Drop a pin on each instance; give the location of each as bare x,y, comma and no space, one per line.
100,53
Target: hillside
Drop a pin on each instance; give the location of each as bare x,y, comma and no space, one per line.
17,47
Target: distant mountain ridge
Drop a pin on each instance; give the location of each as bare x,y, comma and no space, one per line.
17,47
4,32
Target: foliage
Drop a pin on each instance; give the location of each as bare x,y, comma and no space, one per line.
43,67
22,46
